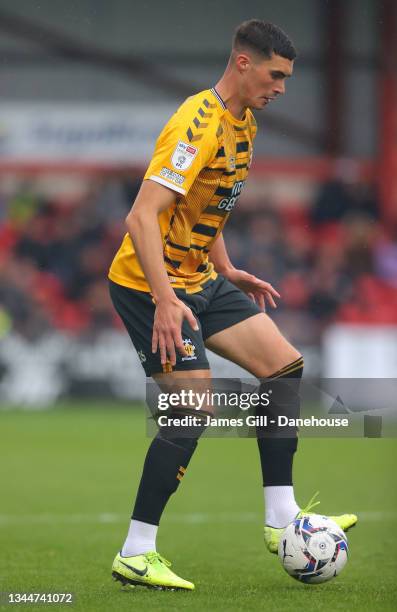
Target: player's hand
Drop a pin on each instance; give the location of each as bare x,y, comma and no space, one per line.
167,328
258,290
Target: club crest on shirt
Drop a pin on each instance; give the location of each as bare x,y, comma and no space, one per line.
183,155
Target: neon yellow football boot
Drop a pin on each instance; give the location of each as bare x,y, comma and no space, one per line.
273,535
150,570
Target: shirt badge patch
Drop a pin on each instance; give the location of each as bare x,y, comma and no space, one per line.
183,155
172,176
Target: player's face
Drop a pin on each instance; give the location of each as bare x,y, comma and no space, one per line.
264,80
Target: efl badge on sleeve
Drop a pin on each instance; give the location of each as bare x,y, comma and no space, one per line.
183,155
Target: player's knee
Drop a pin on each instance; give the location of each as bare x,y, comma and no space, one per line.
271,365
292,367
283,390
294,355
182,428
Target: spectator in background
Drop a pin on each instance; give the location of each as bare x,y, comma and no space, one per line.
328,283
35,239
360,238
19,300
344,193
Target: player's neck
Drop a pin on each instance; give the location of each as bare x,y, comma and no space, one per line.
227,91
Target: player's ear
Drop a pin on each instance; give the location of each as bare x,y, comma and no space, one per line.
242,62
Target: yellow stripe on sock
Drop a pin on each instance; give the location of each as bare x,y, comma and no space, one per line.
288,369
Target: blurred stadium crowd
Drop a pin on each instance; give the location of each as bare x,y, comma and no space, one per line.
334,260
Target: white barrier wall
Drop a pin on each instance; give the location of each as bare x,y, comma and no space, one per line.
360,351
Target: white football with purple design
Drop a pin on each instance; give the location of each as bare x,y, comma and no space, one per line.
313,549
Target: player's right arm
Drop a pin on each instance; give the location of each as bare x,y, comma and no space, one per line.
184,147
143,227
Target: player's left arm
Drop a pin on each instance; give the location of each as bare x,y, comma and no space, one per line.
258,290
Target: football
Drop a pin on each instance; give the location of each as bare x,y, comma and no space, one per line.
313,549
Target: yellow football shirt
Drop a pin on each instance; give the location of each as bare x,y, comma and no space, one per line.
203,154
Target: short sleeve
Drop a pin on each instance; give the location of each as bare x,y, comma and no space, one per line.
182,150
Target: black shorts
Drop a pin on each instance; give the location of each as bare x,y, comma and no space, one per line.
218,306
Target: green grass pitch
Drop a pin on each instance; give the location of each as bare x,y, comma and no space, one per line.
68,480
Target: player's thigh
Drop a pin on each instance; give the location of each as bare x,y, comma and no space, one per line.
181,375
256,344
136,309
235,328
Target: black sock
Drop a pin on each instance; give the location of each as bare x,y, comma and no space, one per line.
277,445
165,464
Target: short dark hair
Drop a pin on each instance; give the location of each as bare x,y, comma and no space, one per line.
263,38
